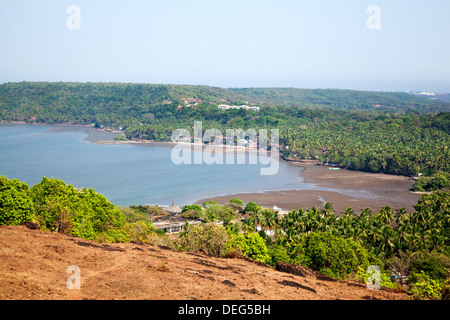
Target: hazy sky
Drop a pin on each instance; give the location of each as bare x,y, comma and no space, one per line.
243,43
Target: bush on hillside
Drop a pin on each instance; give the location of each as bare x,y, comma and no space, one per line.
63,208
16,204
424,287
250,245
209,238
333,255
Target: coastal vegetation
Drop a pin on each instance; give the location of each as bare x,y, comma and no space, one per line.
439,180
414,248
53,205
389,132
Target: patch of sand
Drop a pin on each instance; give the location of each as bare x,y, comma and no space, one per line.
354,189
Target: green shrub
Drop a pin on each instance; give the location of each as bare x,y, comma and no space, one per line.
141,231
235,207
424,287
445,293
113,236
237,201
385,278
436,181
84,213
434,264
59,207
195,207
16,204
207,237
251,245
336,256
251,207
191,214
277,254
219,212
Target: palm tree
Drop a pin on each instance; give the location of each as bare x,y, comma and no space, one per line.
401,239
400,215
388,240
386,215
312,220
327,209
267,219
348,212
249,224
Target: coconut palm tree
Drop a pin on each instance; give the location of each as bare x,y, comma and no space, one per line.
267,219
399,215
386,215
249,225
327,210
387,244
348,212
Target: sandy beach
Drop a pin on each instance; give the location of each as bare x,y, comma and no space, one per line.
354,189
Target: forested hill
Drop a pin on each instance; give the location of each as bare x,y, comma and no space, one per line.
125,103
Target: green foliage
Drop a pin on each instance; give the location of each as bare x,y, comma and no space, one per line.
235,207
121,137
434,182
195,207
385,277
334,255
251,245
16,204
141,231
192,211
423,286
219,212
434,264
84,213
251,207
57,206
209,238
112,236
191,214
237,201
445,293
277,253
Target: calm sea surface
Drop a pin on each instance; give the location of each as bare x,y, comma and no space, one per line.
128,173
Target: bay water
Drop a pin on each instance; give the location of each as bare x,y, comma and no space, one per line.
129,173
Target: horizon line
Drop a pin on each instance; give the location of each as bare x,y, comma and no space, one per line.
214,86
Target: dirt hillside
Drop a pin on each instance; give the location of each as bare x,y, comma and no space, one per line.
34,265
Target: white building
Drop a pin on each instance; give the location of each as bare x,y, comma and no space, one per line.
226,107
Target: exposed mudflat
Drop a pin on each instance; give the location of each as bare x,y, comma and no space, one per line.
347,188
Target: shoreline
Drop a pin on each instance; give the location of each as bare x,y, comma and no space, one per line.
356,189
94,135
